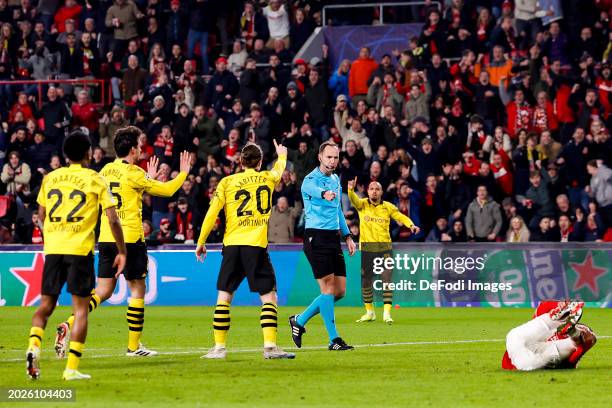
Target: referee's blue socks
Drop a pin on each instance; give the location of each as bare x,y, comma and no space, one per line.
311,311
326,307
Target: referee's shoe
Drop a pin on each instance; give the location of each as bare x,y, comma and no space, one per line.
296,331
338,344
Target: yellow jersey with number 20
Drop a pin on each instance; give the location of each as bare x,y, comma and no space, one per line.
246,199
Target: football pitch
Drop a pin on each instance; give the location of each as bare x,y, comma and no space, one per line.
428,358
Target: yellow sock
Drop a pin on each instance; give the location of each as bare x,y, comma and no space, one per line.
221,323
369,307
70,321
387,307
268,320
135,319
94,302
36,335
74,355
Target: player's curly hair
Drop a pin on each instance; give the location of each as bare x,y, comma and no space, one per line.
125,139
76,146
250,156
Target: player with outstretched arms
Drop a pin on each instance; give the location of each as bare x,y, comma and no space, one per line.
127,183
246,199
69,201
375,215
325,227
552,339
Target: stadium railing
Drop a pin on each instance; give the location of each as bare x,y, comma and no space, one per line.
381,7
104,92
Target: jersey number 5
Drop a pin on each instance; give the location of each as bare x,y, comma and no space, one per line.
113,185
73,195
246,196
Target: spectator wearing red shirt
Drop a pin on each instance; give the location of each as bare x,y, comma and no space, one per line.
604,86
544,117
184,222
146,151
518,111
84,113
361,70
163,144
70,11
22,105
471,164
501,166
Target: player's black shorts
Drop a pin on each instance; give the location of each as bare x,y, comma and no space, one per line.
252,262
324,252
136,263
76,270
371,260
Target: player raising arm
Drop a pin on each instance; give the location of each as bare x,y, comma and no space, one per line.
375,242
246,199
68,205
127,183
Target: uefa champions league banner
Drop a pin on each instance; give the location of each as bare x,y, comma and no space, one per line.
436,275
345,41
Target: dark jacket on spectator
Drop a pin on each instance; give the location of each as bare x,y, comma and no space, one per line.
576,157
71,63
210,135
201,15
317,102
250,87
133,80
215,99
56,112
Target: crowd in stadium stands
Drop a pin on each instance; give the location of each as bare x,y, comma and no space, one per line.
492,125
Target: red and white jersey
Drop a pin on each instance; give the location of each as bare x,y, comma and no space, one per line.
544,307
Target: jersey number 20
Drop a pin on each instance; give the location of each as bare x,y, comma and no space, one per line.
246,196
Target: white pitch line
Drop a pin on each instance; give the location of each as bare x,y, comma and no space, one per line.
314,348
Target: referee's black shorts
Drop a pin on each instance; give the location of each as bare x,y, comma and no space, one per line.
252,262
324,252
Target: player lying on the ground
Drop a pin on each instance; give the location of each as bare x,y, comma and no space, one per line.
552,339
246,200
127,183
68,201
375,242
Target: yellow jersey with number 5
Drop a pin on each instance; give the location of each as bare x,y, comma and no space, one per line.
127,183
246,199
72,197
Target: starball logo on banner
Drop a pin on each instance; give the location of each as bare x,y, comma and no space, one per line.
432,275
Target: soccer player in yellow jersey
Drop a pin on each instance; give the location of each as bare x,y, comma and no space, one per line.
375,242
127,183
68,201
246,199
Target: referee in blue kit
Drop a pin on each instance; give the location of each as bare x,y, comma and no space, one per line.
325,227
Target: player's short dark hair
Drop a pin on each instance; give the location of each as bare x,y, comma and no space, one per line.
251,155
76,146
125,139
325,144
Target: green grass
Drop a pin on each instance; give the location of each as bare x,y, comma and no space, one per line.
395,375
